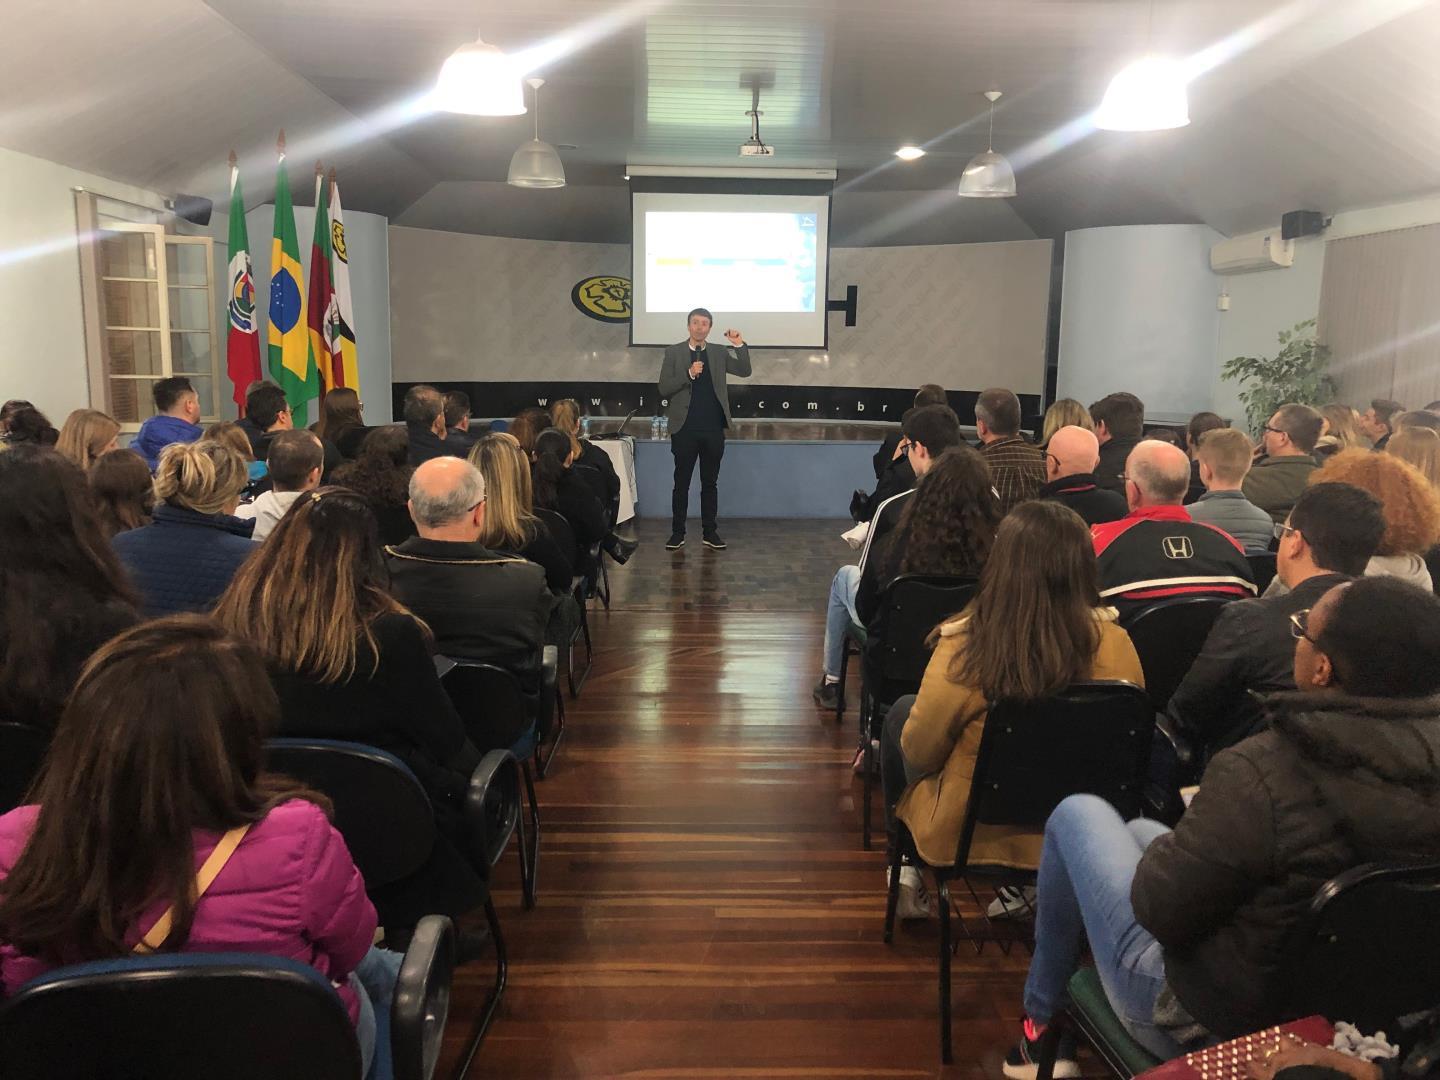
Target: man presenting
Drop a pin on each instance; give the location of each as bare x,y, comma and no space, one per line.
692,381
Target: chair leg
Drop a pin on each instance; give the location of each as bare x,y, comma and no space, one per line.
868,762
543,760
603,589
497,991
577,681
892,892
1049,1048
947,1054
530,861
840,687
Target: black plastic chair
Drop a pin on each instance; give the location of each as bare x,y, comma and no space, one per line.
1262,568
895,655
580,589
388,824
223,1016
1093,738
22,748
1168,635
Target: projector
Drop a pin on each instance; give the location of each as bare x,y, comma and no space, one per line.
755,148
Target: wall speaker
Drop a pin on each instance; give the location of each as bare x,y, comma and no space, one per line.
192,208
1298,223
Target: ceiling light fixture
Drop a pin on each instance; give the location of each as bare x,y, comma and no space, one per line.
989,175
536,164
909,153
479,80
1148,95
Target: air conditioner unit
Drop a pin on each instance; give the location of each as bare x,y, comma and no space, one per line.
1247,254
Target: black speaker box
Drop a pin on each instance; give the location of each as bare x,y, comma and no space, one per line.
1298,223
193,208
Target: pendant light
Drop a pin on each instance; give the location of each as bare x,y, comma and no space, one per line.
989,175
1148,95
536,164
479,80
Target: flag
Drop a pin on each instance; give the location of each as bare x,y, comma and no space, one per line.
242,346
347,370
289,349
321,304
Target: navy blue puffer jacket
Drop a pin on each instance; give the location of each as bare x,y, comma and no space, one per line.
183,560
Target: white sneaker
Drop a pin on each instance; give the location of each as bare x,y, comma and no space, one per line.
1012,902
915,901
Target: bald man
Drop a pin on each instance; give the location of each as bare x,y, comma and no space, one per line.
1156,552
1070,459
480,604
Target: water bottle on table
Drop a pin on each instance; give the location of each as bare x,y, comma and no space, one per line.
585,427
664,427
655,429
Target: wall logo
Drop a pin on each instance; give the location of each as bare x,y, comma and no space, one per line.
603,297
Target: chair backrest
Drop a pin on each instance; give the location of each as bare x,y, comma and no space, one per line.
563,533
22,748
595,481
1365,951
492,702
911,606
1168,636
166,1017
1262,568
1091,738
381,809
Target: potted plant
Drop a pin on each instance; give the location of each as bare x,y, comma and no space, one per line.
1299,372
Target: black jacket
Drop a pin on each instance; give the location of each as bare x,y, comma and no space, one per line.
546,552
1337,781
578,505
425,445
1249,652
593,457
479,604
1112,461
1081,493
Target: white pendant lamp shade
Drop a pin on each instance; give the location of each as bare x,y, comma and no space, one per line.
536,164
989,175
479,80
1148,95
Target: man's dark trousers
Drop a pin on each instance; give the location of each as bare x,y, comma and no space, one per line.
709,448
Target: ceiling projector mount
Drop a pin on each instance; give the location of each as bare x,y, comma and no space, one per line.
753,147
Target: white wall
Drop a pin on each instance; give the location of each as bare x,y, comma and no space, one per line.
42,348
1138,313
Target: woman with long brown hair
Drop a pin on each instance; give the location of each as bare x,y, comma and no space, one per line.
342,421
124,491
1036,625
527,426
63,593
86,434
382,475
157,769
348,661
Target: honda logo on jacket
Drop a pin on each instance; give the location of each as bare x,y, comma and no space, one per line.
1178,547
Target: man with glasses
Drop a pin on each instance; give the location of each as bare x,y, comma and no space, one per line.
1070,460
1282,473
480,604
1329,537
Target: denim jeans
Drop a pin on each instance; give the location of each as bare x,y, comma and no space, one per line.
839,614
896,774
373,981
1086,868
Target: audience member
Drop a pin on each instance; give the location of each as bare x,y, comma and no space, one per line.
342,421
28,426
565,415
87,434
1341,431
349,662
124,491
1071,454
380,474
928,431
1199,424
893,474
424,412
1332,532
257,472
186,556
1066,412
1017,469
1225,457
511,525
1375,422
295,463
527,425
9,409
1036,626
269,412
1421,418
557,488
176,419
247,425
1166,434
1277,478
1419,447
62,591
157,764
1156,552
457,420
1118,420
1190,929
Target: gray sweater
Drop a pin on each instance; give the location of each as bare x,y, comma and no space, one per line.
1238,516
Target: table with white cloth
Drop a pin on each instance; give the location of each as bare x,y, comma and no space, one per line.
622,456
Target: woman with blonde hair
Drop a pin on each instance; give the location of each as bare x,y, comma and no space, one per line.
86,435
1341,431
184,559
511,524
124,491
1418,446
1066,412
565,415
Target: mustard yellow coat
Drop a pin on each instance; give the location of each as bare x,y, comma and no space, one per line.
942,738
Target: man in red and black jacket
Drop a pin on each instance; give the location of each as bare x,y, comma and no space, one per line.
1156,552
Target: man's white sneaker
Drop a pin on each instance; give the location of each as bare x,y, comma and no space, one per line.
1012,902
915,901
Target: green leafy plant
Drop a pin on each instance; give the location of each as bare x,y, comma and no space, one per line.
1298,373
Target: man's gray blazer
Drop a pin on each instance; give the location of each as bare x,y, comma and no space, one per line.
675,381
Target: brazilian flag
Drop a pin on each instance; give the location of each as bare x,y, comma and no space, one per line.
288,341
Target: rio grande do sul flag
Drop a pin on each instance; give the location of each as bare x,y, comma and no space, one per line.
321,304
242,344
347,370
288,342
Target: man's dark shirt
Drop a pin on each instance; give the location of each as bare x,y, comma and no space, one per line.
1112,461
1081,493
705,413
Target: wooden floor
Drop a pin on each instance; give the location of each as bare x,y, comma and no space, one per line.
705,908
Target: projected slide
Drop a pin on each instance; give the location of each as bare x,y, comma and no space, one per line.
737,261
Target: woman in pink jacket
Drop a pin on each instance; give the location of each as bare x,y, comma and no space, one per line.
154,790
